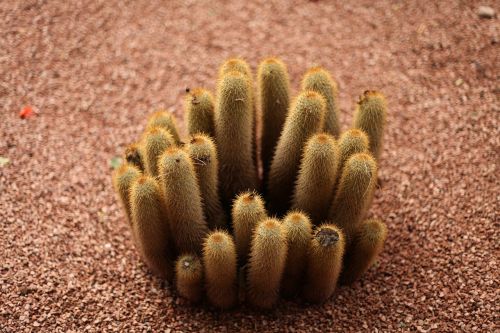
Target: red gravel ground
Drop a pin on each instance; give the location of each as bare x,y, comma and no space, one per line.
94,70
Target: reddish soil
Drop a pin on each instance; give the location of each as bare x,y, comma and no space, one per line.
93,70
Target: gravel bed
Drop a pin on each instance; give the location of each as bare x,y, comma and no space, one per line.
93,70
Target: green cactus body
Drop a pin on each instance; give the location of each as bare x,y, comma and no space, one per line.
189,277
220,262
233,128
248,210
298,230
241,66
266,263
123,178
354,191
199,106
324,263
319,80
370,116
304,119
274,99
133,156
367,245
352,142
317,176
150,226
164,119
154,143
204,158
182,200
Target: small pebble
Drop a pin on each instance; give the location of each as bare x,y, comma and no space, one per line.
486,12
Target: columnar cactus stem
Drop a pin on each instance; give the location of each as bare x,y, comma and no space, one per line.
298,230
123,178
304,119
248,210
317,176
324,263
319,80
219,257
178,196
370,116
368,243
154,143
164,119
204,157
266,263
189,277
182,200
351,142
354,192
150,226
199,108
241,66
233,128
274,98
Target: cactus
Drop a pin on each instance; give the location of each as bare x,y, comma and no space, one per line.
319,80
248,210
189,277
150,226
219,258
183,200
266,263
204,158
233,132
133,156
123,178
154,142
178,197
298,232
367,245
354,191
370,116
164,119
274,97
199,109
324,262
304,119
317,176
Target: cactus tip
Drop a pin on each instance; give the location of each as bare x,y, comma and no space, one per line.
327,237
322,137
315,69
370,94
142,179
272,60
312,94
296,217
249,197
357,132
217,237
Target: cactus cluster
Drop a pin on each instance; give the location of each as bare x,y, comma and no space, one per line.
265,198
